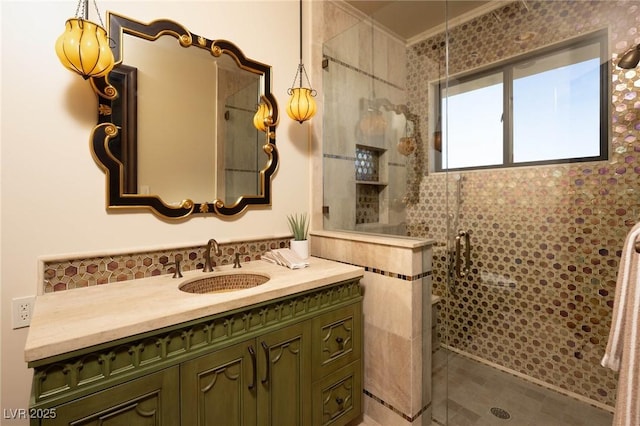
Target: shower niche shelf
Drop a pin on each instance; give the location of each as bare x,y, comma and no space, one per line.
365,182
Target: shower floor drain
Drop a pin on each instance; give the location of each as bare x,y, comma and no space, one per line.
500,413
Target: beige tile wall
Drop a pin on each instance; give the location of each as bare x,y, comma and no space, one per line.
397,322
356,71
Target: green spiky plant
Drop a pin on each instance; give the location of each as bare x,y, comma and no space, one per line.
299,226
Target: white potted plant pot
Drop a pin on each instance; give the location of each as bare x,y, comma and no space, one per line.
300,248
299,226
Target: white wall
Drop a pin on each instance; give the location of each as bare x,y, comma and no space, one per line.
53,193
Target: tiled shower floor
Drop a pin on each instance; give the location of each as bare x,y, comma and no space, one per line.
474,389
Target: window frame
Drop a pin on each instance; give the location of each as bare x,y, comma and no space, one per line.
506,69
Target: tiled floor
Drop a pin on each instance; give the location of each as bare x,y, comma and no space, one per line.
366,421
474,389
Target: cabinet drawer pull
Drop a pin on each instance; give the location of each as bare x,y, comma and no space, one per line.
339,401
340,342
252,352
265,348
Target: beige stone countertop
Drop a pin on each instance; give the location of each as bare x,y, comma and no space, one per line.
74,319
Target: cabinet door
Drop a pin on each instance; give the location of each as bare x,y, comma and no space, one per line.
337,340
284,374
337,398
149,400
220,388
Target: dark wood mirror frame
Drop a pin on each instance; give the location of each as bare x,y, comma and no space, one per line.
109,137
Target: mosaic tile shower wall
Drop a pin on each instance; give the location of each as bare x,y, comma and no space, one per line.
367,204
78,272
546,240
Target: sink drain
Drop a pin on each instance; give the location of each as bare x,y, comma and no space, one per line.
500,413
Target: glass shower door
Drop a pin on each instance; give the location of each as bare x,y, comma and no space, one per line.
525,256
526,272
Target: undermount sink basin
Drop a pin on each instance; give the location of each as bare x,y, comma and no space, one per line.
223,282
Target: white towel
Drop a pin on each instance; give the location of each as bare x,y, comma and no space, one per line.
623,347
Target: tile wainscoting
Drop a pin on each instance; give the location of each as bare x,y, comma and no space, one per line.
66,272
397,320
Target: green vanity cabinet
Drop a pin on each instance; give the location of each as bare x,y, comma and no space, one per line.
337,366
263,381
149,400
286,377
219,388
291,361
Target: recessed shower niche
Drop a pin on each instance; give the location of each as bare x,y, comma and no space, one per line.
371,181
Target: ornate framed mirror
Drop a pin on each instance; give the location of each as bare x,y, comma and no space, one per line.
175,130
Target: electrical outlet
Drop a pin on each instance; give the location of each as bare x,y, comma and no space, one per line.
21,310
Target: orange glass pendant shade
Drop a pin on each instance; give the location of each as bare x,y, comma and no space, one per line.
301,106
84,48
262,117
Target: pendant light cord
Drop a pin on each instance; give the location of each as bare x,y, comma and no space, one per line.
300,70
301,35
83,8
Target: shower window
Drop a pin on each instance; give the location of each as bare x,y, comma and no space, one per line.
548,107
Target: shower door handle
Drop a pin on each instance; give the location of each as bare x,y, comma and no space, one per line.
460,271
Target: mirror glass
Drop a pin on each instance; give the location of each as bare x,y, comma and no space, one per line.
192,125
183,113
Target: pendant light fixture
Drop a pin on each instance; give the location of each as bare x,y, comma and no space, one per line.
301,106
407,144
262,117
630,58
372,123
84,46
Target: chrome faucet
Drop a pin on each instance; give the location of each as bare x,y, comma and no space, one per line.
208,267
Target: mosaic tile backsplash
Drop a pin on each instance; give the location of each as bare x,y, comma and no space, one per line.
545,240
84,272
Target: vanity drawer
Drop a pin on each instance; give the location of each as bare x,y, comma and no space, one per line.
337,339
337,399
